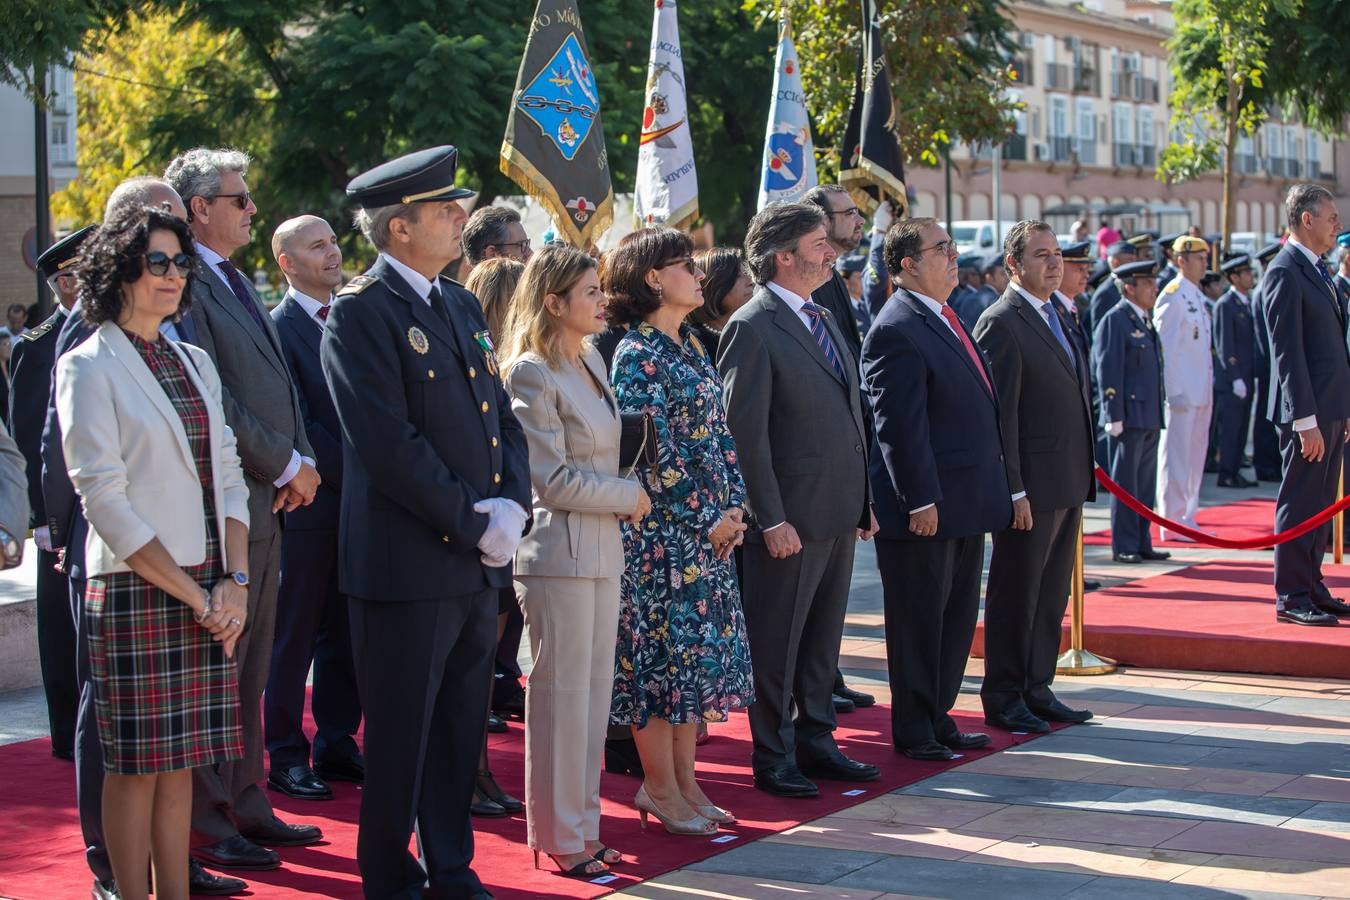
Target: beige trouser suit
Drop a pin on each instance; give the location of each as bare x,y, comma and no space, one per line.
567,579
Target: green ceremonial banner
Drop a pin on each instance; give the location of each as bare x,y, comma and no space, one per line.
554,147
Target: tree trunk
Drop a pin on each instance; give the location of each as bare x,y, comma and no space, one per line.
1230,130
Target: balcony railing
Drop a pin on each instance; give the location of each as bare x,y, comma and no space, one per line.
1087,81
1275,165
1061,148
1122,154
1065,77
1057,76
1086,150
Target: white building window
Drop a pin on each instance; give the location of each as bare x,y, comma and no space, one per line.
1061,137
1122,134
1145,140
1085,131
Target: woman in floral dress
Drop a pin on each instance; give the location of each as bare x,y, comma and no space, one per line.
682,656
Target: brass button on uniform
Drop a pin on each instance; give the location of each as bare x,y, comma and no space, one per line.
445,539
431,373
472,372
484,406
494,442
497,478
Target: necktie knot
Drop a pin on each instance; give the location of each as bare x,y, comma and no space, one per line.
323,313
811,309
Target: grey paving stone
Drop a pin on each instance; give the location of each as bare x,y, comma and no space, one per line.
1153,696
1159,753
792,862
958,785
1306,706
1292,760
1135,730
1256,739
1110,887
1323,817
944,878
1204,805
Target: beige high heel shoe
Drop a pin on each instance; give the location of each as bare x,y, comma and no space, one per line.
716,814
697,825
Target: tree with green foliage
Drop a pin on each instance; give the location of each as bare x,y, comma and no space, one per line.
1219,54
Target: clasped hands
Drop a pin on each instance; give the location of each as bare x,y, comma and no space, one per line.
506,523
299,491
225,613
728,533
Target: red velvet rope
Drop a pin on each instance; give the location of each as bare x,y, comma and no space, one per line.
1201,537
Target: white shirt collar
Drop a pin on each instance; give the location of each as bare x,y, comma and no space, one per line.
416,280
1138,310
1312,257
1037,303
308,304
1241,296
927,301
212,260
793,301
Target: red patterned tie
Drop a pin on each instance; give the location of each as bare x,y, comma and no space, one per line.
322,314
950,315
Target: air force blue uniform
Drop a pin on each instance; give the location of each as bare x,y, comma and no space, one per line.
1235,358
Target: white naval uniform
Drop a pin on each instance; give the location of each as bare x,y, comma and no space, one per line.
1183,325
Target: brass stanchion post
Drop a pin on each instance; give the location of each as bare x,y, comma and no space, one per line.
1338,524
1077,660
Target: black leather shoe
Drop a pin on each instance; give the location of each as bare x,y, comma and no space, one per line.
842,704
1090,585
237,852
352,769
277,833
207,884
299,782
1056,711
1128,558
487,786
786,781
1154,555
101,891
621,757
928,751
1269,476
484,807
858,698
495,725
839,768
1334,606
1017,718
1306,617
967,740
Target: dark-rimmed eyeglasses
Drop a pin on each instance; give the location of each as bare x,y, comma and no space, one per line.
240,200
687,261
851,211
157,263
523,245
947,248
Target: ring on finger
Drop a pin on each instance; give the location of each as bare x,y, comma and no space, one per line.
236,623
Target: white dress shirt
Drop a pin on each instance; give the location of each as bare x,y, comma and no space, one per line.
416,280
310,306
794,302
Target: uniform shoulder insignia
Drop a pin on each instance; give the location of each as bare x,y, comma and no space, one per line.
47,325
452,281
357,285
1172,288
1110,392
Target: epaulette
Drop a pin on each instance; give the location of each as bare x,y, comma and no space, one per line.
47,325
452,281
1172,287
357,285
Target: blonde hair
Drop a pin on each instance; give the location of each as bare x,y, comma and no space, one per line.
555,269
493,282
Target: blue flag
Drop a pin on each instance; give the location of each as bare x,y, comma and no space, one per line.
789,156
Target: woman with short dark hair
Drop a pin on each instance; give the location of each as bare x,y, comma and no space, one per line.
154,462
682,655
727,287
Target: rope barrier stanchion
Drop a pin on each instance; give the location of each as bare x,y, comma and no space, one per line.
1077,660
1338,524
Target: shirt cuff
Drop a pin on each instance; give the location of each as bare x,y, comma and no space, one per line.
772,527
1020,495
1307,423
290,471
914,512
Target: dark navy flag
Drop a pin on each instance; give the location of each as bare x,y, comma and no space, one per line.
554,147
871,164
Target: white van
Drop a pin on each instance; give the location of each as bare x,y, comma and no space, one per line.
977,235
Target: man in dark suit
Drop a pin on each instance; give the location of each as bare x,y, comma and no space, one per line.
435,488
311,612
1107,294
939,483
1128,362
1044,417
30,365
1342,277
230,810
791,389
1235,359
1310,399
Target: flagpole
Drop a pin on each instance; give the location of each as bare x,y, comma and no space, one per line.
998,194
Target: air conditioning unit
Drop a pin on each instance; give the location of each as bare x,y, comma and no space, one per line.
1041,151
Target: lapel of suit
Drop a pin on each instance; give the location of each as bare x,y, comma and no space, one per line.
791,323
125,353
1323,286
1036,322
220,292
600,379
309,331
945,336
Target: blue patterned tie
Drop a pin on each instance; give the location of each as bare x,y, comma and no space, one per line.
1052,318
822,336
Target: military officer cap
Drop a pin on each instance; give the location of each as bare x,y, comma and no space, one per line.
1343,239
1144,268
64,253
1078,252
1236,263
1099,273
850,263
1142,238
991,262
1269,250
969,261
420,177
1122,248
1187,243
1169,240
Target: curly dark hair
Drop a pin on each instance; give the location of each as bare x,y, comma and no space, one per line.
722,267
623,272
114,256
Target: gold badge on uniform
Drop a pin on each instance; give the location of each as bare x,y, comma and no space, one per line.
418,340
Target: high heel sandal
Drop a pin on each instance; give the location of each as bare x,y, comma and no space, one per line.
603,851
580,870
696,825
716,814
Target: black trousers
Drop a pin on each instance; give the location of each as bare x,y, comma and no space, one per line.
1265,437
423,668
1134,466
931,595
312,626
88,748
794,618
1024,608
1235,419
56,652
1306,489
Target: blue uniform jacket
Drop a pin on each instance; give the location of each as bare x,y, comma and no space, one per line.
1235,353
30,366
1128,363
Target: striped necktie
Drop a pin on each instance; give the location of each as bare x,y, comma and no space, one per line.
822,336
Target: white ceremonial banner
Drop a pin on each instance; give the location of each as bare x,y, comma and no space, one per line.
666,190
789,157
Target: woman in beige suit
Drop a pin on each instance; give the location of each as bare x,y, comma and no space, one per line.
568,566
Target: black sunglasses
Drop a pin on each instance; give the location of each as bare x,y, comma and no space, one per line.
687,261
240,200
157,263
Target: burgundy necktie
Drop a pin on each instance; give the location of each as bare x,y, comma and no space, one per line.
240,291
950,315
322,313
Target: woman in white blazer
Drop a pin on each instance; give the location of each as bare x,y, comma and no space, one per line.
568,566
155,466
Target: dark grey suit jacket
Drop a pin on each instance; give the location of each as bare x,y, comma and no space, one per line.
798,426
261,404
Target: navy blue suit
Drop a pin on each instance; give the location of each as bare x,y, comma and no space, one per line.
312,621
30,366
1310,376
1128,365
937,433
1265,436
1235,357
427,431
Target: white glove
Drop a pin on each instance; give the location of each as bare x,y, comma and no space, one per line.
883,217
42,536
506,521
1239,389
1115,429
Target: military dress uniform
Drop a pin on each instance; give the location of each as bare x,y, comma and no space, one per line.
428,434
1235,359
1188,378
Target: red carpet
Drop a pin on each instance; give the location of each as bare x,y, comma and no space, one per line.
1240,520
42,855
1215,617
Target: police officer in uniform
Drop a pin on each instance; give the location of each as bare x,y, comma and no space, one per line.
1128,364
1167,259
1183,327
1107,294
435,490
1235,357
1265,437
31,383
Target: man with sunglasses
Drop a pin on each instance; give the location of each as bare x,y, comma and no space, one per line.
1181,317
230,810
